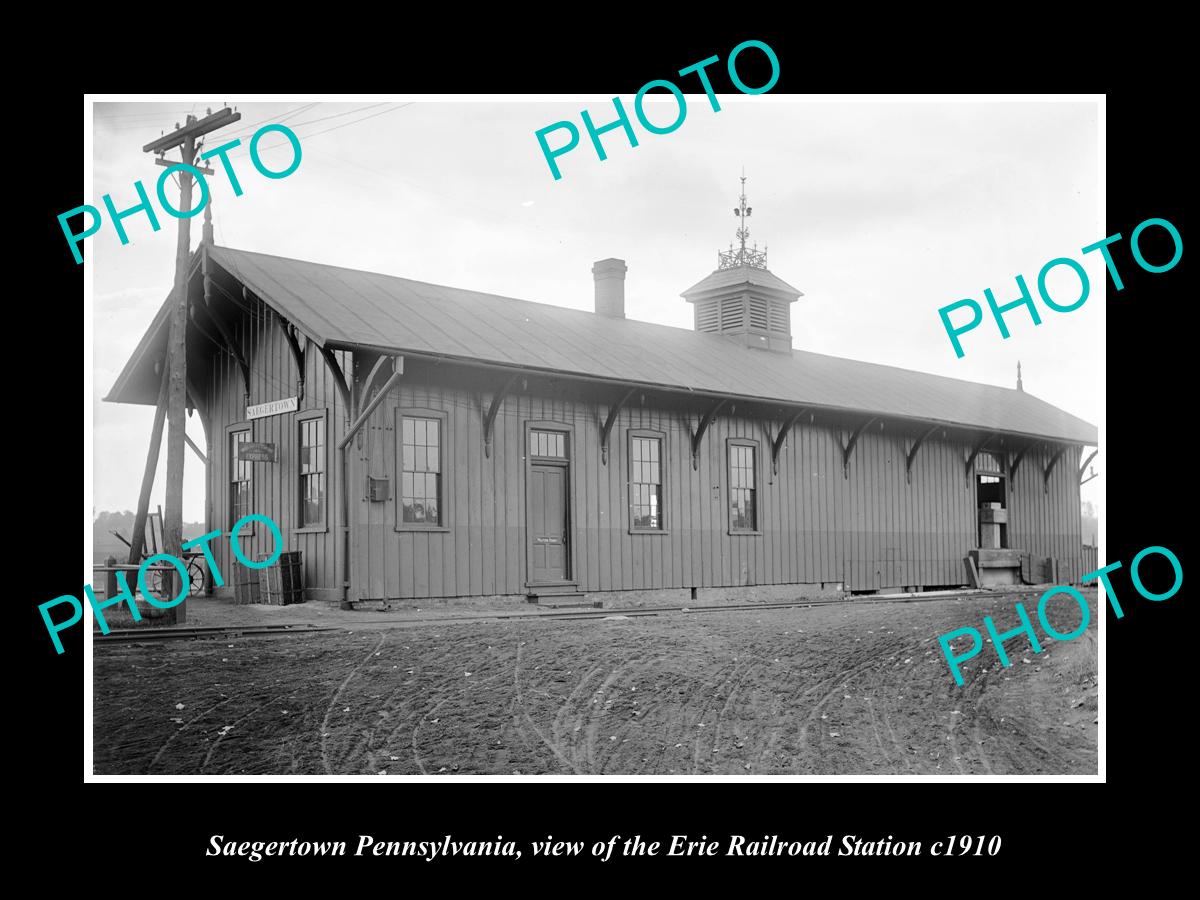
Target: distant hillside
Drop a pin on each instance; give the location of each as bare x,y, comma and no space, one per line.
104,544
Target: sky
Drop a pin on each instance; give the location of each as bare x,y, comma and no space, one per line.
879,212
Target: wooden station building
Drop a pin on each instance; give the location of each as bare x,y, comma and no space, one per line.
419,441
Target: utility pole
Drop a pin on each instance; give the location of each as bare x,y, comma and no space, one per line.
176,361
137,542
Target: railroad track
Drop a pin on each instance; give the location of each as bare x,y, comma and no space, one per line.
124,635
163,634
659,610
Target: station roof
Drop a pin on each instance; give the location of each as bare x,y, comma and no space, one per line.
346,308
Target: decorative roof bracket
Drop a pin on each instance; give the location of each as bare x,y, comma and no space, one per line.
701,428
606,429
912,454
777,444
849,447
490,418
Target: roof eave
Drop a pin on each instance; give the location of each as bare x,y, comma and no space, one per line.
1090,440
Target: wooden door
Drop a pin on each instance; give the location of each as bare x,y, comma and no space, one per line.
548,524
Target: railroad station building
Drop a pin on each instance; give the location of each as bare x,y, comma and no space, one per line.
419,442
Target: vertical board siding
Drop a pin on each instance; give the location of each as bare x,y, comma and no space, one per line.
1044,519
276,486
873,529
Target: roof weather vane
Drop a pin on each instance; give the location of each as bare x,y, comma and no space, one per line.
752,257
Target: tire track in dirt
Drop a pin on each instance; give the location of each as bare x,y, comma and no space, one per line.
565,709
747,669
636,724
182,728
1055,759
554,748
386,704
709,688
371,754
238,721
595,716
894,744
873,719
334,699
842,680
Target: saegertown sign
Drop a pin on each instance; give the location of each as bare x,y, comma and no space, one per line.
273,408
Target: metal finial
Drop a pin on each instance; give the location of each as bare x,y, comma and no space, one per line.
743,256
1020,386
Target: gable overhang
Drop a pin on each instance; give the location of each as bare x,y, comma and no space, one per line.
138,381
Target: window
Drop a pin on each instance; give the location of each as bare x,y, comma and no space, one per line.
312,472
421,471
551,444
743,508
241,478
646,464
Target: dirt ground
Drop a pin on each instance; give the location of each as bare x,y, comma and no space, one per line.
833,689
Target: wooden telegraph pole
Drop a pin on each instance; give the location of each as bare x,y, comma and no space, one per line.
176,361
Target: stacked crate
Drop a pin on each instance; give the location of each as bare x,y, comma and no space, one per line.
245,584
282,583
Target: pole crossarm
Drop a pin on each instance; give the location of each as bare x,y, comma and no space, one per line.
177,138
912,453
777,444
490,419
849,447
606,429
705,421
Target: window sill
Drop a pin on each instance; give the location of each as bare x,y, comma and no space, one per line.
649,531
311,529
740,533
425,528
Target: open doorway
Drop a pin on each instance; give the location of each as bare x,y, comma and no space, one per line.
991,500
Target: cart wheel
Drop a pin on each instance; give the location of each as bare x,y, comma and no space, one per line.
164,587
196,577
161,584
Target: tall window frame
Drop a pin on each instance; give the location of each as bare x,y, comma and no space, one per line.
423,464
742,469
312,469
642,473
240,478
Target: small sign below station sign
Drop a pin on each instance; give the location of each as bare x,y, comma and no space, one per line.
255,451
274,408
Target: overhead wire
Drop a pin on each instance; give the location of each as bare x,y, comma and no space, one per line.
237,154
244,130
142,115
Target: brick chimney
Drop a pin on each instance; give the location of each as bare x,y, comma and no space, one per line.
610,287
